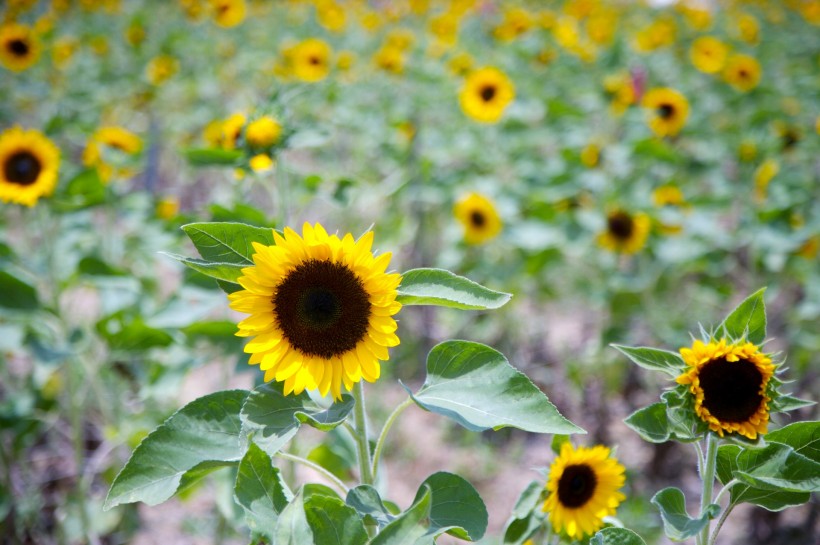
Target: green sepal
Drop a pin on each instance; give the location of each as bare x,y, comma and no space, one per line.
747,321
654,359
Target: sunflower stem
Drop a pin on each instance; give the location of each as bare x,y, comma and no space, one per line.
708,476
316,467
362,445
721,520
377,453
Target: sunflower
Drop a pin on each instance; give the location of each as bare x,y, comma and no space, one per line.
390,59
28,166
708,54
480,219
110,138
731,385
668,110
624,232
486,94
263,133
311,60
19,47
228,13
583,488
320,310
742,72
161,68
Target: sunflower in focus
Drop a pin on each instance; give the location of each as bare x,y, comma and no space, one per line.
19,47
731,384
708,54
624,232
583,488
310,60
486,94
480,218
228,13
321,310
28,166
668,110
742,72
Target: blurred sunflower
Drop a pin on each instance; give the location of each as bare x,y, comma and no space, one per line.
708,54
668,195
19,47
668,110
28,166
731,384
517,21
161,68
110,138
748,28
321,310
310,60
591,155
390,59
479,217
764,174
261,162
742,72
486,94
460,64
584,487
263,132
331,15
228,13
231,130
624,232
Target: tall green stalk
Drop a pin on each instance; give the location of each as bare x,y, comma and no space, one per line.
707,475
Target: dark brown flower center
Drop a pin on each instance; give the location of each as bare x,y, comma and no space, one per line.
790,139
322,308
19,47
620,225
314,60
731,390
488,92
666,111
576,485
22,168
477,219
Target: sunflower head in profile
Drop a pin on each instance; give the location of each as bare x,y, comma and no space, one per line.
28,166
321,310
310,60
668,110
742,72
625,233
19,47
731,384
583,488
479,217
486,94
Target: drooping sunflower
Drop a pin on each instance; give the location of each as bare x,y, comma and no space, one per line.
583,488
28,166
311,60
625,233
321,310
486,94
742,72
668,110
19,47
731,385
480,218
708,54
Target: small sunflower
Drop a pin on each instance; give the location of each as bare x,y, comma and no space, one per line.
19,47
228,13
624,232
668,110
96,153
583,488
321,310
742,72
480,219
28,166
708,54
731,385
486,94
311,60
263,132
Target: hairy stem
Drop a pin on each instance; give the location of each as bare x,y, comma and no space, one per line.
377,453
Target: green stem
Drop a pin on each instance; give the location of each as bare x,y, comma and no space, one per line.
708,477
377,453
721,520
362,445
75,416
316,467
725,489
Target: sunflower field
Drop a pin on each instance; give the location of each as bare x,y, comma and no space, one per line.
382,272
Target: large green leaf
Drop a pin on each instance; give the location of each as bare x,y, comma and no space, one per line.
747,320
654,359
803,437
227,272
778,467
616,536
271,419
228,242
366,500
651,423
455,507
478,388
200,437
677,523
410,527
292,528
445,289
260,491
16,294
334,523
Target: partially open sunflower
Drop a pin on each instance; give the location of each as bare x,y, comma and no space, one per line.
28,166
19,47
321,310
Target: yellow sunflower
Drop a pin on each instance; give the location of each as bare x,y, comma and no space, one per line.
28,166
730,383
742,72
161,68
583,488
480,219
19,47
668,110
311,60
263,133
321,310
390,59
110,138
624,232
486,94
708,54
228,13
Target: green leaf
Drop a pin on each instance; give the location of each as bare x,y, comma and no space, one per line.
616,536
655,148
227,242
292,528
260,491
651,423
366,500
526,514
558,441
677,524
131,334
334,523
785,403
410,526
94,266
226,272
212,156
455,507
17,294
205,431
654,359
778,467
443,288
803,437
476,386
82,191
748,320
271,419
